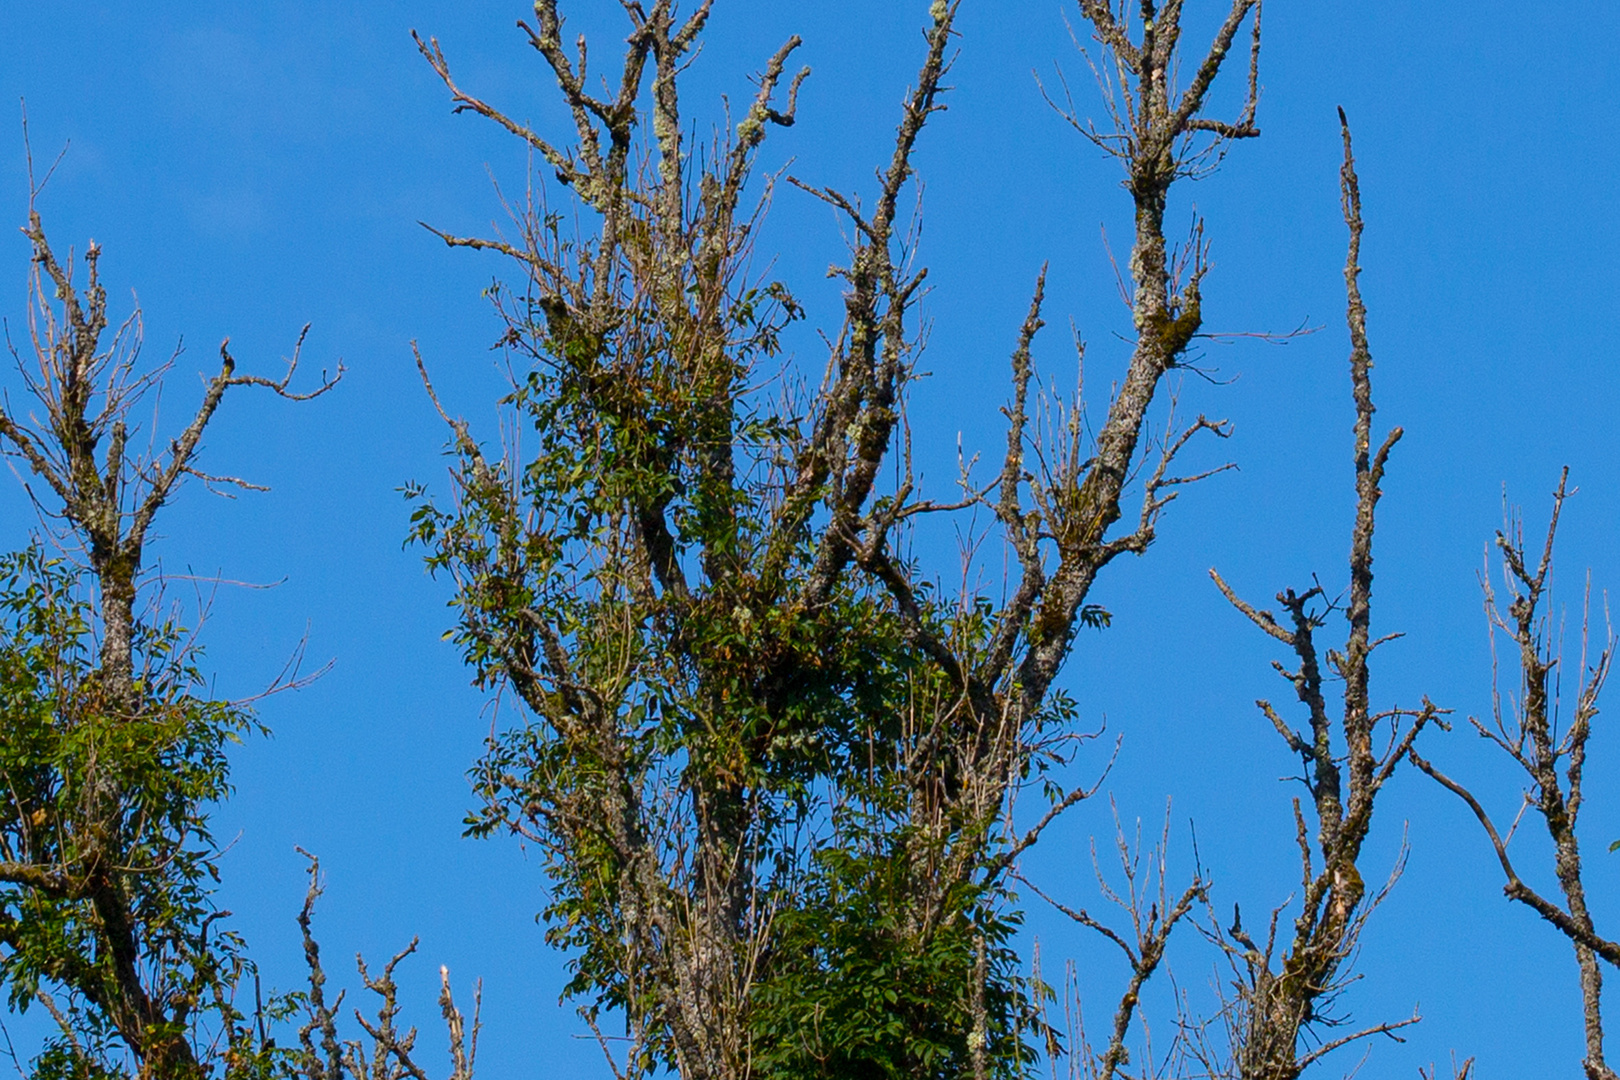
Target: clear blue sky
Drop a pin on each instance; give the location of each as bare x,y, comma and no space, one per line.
252,167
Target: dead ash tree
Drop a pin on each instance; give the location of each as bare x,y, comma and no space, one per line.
1153,913
1281,997
386,1052
111,747
1550,751
110,755
769,766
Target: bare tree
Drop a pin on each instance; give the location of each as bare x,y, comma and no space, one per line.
1346,763
1531,732
324,1055
1153,916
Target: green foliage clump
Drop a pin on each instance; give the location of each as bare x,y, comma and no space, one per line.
107,864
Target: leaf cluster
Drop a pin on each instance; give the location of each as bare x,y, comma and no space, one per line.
107,863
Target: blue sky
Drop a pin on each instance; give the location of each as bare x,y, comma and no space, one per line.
249,168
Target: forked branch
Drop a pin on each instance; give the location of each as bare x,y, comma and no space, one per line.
1552,760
